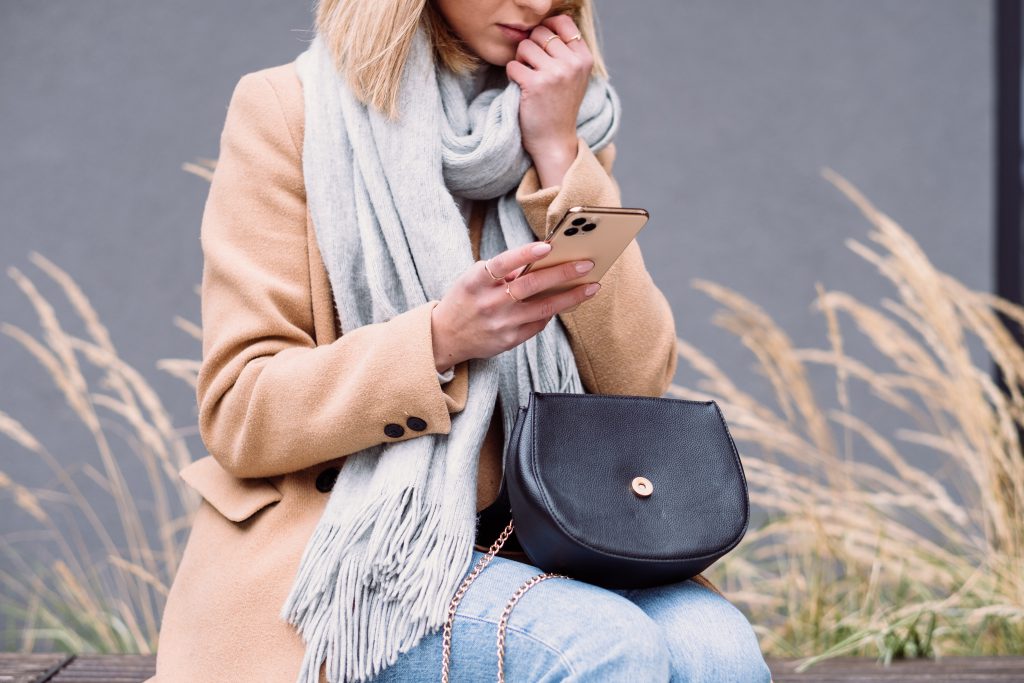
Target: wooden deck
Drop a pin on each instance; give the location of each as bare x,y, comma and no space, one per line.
57,668
947,670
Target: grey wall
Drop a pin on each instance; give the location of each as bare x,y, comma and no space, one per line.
733,107
730,109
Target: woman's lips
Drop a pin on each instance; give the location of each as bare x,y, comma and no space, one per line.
513,33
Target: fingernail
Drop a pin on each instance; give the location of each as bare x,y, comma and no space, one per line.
541,248
591,288
584,266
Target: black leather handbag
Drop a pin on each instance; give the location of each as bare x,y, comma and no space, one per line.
617,491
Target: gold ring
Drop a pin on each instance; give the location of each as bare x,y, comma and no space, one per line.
576,37
550,38
489,270
509,292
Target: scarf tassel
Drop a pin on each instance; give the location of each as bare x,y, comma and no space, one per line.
385,595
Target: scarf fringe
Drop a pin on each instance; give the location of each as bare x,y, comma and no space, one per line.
385,587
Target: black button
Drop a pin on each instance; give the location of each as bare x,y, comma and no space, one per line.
394,430
325,480
417,423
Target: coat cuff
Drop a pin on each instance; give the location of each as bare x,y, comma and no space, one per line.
456,389
424,395
587,182
453,382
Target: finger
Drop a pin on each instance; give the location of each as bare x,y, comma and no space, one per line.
548,306
562,24
537,281
555,47
509,260
484,270
517,71
566,28
533,54
511,276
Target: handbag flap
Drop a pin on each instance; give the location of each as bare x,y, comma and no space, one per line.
583,452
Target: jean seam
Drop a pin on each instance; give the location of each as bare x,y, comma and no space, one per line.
508,627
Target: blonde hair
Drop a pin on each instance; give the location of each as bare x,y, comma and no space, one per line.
370,41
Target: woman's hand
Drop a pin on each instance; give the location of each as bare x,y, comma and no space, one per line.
476,318
553,76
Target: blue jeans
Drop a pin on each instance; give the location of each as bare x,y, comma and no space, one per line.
569,630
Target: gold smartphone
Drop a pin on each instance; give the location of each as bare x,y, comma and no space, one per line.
597,233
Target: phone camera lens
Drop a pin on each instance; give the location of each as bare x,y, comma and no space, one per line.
589,226
571,231
579,221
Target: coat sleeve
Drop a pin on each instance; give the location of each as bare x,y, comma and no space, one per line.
624,337
270,400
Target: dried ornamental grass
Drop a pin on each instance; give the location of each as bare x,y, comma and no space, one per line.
864,552
858,555
104,594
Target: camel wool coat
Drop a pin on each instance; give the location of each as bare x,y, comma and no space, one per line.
284,396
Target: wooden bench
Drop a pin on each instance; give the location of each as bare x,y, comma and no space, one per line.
58,668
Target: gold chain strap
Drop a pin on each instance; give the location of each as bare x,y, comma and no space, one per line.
530,583
457,598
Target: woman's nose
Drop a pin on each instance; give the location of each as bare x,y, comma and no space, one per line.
541,7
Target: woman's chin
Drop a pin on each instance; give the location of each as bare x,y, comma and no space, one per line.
496,55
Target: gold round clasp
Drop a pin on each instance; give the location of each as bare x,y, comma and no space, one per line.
642,486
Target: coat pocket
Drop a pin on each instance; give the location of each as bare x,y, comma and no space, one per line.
236,498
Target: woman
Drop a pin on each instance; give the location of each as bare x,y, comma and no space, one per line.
287,392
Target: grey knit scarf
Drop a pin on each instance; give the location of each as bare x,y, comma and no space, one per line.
390,202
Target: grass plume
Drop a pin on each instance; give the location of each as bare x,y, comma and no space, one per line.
865,552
